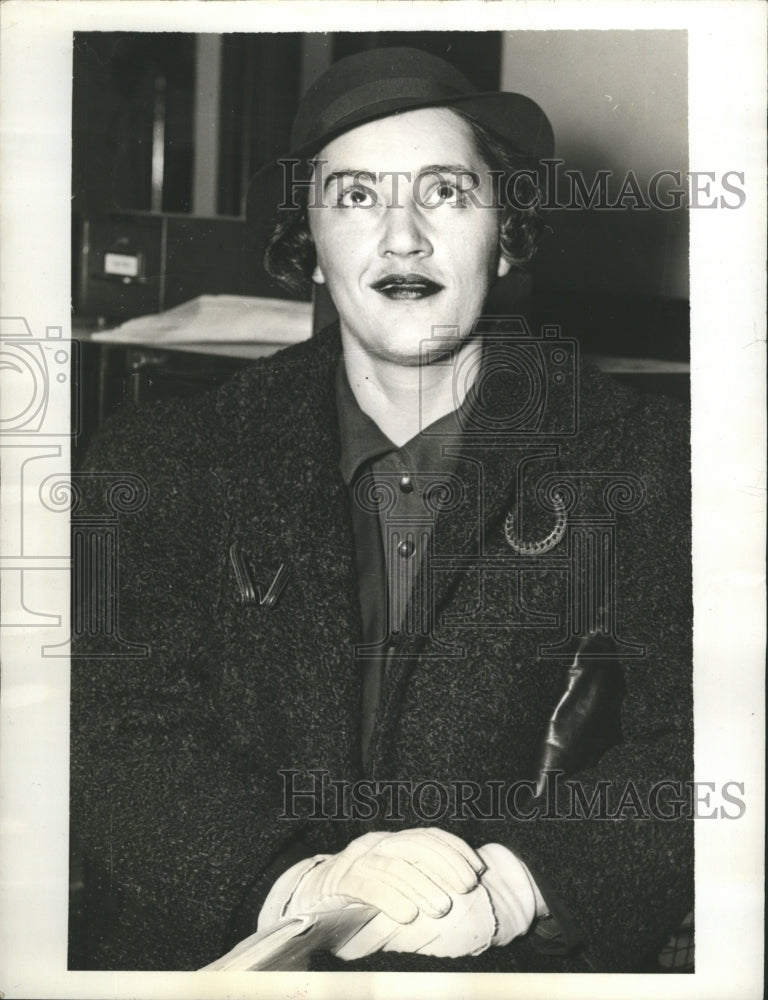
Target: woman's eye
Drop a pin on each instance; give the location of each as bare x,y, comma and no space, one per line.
357,197
448,192
445,193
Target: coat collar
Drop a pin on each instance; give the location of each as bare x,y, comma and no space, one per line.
518,416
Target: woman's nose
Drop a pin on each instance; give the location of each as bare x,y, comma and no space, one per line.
404,232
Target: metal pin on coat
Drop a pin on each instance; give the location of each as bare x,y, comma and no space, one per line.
249,594
546,544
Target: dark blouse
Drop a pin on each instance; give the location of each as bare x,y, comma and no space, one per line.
393,495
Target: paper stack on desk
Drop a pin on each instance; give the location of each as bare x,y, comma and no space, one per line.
219,319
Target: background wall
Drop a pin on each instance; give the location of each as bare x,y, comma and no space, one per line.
617,101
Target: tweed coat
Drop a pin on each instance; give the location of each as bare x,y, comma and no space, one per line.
181,757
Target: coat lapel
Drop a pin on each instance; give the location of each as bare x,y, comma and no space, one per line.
497,472
288,506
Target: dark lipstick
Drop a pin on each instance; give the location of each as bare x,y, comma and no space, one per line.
406,286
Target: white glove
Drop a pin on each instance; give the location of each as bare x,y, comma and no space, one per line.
498,910
515,897
467,929
436,895
402,874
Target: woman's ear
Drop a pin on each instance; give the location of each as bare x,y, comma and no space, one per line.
504,266
317,275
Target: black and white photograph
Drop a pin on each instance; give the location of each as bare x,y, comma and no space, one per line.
384,500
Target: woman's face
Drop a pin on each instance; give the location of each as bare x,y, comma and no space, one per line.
407,257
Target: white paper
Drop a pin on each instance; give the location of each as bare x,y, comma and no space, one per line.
219,319
288,945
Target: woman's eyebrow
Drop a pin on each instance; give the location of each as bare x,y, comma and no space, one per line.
371,175
361,174
364,173
445,168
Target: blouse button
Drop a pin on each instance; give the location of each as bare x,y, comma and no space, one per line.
406,483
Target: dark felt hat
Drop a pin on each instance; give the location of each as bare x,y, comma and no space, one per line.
381,82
